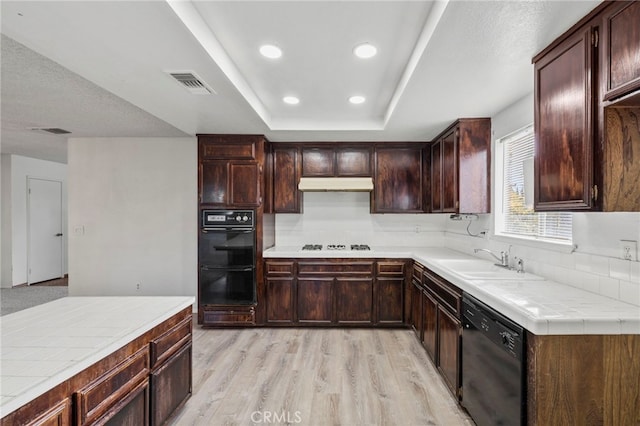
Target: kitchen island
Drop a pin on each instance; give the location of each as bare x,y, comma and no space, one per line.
79,360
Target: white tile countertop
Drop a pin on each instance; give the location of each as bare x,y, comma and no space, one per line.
541,306
43,346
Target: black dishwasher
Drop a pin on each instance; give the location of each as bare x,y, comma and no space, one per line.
493,366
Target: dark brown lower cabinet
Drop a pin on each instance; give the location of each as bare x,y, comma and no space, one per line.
315,300
133,410
390,300
430,324
279,293
354,300
449,361
171,385
335,292
416,308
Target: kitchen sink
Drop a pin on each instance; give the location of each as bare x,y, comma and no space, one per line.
484,270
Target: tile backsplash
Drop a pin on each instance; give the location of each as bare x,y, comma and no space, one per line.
592,264
344,218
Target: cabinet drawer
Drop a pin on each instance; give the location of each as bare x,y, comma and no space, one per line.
325,268
168,343
447,294
417,272
93,401
279,268
390,268
231,317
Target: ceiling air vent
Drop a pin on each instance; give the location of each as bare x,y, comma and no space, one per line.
190,81
53,130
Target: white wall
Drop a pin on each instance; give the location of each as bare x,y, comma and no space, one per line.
132,216
594,263
16,169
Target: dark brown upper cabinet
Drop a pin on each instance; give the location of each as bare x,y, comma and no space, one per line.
286,175
336,161
620,39
587,106
398,179
460,167
230,170
564,124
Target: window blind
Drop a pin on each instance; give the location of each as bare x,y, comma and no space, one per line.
520,219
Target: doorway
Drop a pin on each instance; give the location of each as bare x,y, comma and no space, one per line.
45,235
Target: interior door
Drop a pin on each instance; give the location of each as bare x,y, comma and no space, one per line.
45,230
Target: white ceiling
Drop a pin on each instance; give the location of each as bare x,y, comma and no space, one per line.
99,69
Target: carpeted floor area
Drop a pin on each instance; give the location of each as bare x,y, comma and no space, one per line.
18,298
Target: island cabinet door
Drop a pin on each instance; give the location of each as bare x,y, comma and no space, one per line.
170,385
315,300
354,300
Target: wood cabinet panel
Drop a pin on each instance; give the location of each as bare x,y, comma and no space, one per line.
168,343
130,411
315,300
622,159
94,400
318,162
416,308
286,197
460,168
244,184
231,316
58,415
390,300
621,49
448,349
398,180
230,147
353,162
335,268
430,325
170,385
354,300
279,293
436,177
214,183
449,172
564,87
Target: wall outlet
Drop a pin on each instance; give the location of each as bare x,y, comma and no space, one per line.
629,249
417,229
138,286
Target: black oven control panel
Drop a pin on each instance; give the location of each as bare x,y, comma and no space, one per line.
227,218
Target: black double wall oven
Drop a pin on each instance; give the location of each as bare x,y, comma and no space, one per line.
227,258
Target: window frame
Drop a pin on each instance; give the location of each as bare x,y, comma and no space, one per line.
499,213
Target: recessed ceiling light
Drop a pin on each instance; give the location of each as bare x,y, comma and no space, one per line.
365,50
357,99
291,100
270,51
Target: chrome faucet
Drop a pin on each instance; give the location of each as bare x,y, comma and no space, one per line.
503,259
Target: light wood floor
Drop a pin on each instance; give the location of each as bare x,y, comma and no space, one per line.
315,377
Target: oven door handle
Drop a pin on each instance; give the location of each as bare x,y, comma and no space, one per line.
225,268
239,230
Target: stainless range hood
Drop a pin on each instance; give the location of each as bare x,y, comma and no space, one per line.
363,184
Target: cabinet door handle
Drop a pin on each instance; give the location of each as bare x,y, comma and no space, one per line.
59,234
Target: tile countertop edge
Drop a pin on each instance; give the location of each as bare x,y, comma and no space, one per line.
429,256
15,402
